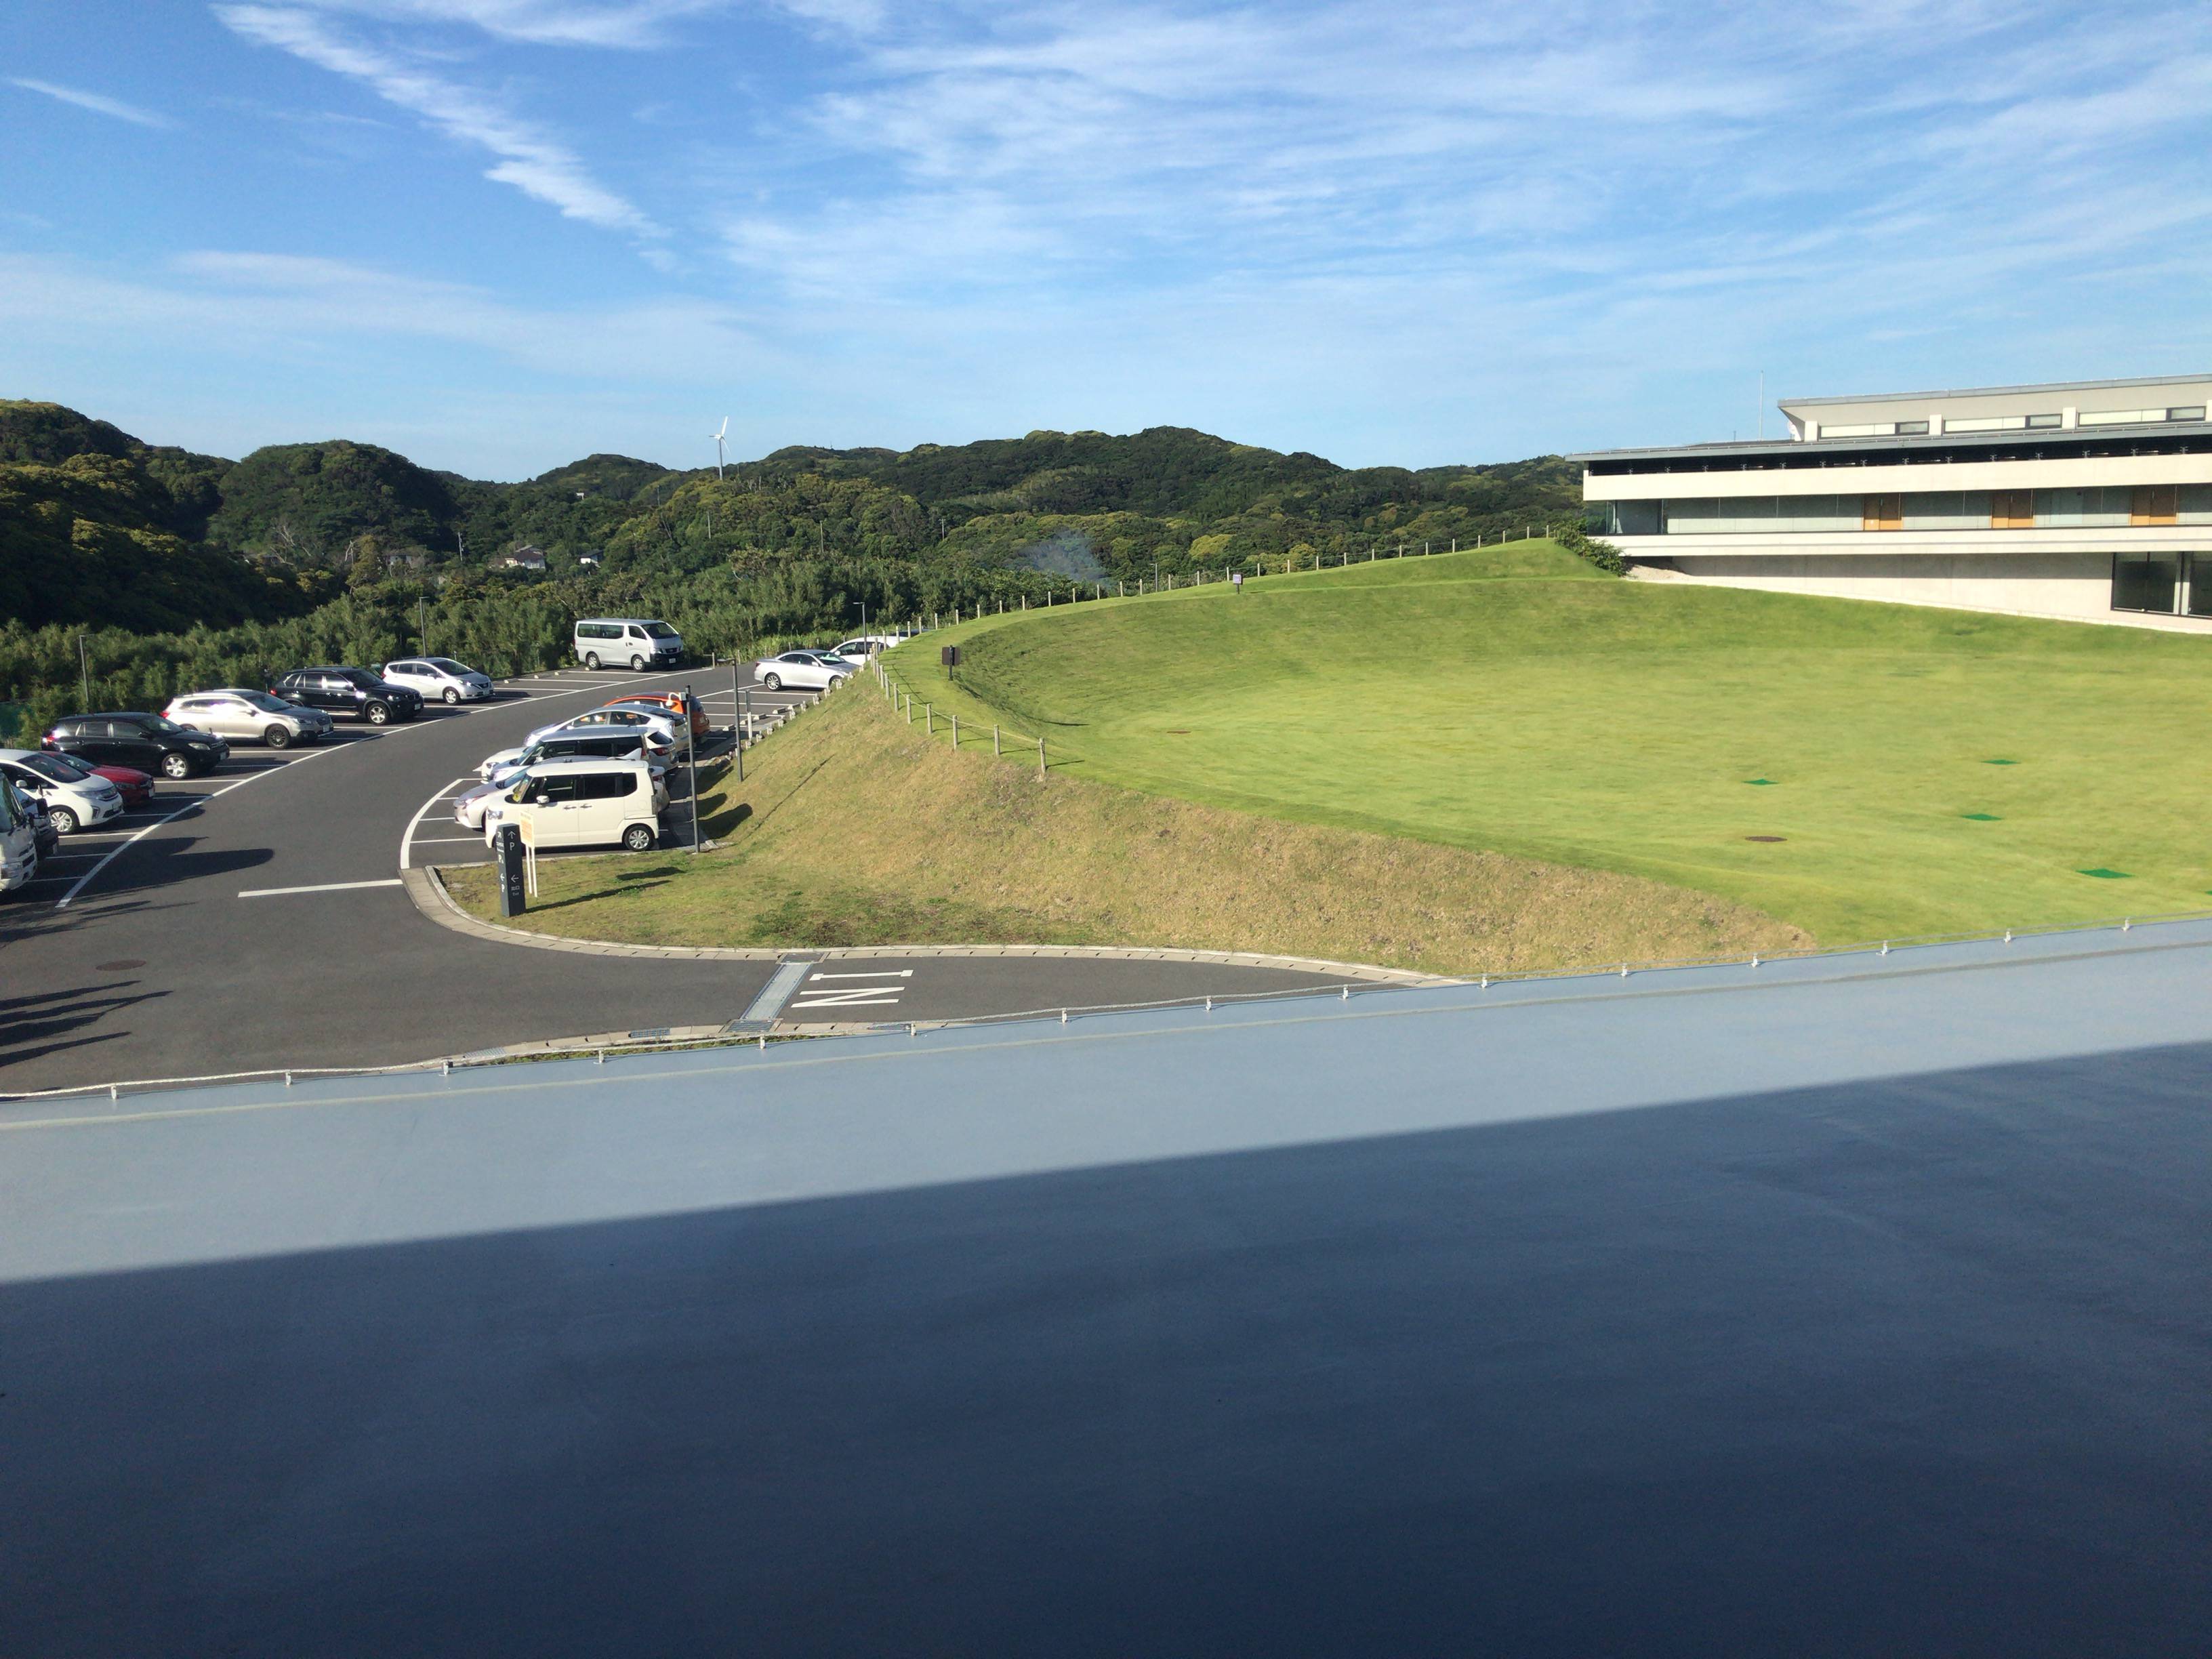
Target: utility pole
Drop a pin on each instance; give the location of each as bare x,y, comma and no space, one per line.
84,677
691,764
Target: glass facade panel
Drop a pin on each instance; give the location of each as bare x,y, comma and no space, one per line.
2146,581
2200,584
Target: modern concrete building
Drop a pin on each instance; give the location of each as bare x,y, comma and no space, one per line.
2090,500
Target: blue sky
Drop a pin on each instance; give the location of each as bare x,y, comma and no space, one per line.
497,234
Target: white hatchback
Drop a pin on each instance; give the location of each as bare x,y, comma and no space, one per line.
439,679
76,797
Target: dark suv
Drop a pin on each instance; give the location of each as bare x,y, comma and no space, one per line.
145,742
353,691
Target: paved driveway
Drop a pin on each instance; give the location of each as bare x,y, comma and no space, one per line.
255,919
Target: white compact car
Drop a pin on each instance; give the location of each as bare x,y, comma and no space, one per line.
660,723
584,804
439,679
800,669
245,716
76,797
478,808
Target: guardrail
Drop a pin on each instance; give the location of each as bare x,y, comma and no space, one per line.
600,1049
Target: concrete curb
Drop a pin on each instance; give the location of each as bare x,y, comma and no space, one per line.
428,891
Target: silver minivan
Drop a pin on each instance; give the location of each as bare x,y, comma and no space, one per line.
636,642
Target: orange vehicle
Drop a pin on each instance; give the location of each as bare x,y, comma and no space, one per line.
673,702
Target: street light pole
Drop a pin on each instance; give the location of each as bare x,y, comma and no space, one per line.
691,764
84,675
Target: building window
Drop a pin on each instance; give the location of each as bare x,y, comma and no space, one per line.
2037,422
2012,509
2194,412
1882,513
2146,581
2154,504
2199,601
1912,429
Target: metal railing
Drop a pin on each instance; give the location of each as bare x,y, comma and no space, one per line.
1341,991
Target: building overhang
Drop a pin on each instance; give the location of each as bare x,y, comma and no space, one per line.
1946,449
1844,476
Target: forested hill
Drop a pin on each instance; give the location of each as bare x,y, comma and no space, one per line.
98,528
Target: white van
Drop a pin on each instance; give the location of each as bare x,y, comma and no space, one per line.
637,641
582,803
19,844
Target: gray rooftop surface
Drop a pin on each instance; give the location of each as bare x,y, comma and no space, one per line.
1847,1306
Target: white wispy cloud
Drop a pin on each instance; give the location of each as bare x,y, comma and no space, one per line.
630,24
530,158
98,103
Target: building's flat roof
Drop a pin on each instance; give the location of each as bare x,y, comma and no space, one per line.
1813,1306
1996,391
1798,448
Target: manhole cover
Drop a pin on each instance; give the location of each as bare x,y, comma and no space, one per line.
1766,837
119,964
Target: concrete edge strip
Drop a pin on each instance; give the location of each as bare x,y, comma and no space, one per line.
428,891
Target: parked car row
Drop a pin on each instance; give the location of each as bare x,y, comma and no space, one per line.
596,779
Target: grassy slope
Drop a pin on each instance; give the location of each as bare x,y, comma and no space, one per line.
1618,725
853,827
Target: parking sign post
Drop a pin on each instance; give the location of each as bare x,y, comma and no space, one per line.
508,848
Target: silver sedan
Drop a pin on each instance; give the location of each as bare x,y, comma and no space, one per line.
249,717
802,669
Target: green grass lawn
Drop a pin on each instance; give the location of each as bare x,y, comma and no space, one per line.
1923,770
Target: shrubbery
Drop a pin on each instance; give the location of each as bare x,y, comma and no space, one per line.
1577,540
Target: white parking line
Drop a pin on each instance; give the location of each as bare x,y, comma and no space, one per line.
884,973
408,835
62,903
447,841
840,1000
320,887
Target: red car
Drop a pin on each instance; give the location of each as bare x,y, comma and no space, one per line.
136,787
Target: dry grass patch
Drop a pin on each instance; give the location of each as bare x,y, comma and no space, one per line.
852,828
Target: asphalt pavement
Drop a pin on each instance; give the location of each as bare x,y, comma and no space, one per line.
255,919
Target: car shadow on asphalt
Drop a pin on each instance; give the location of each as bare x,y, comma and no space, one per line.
166,860
27,1023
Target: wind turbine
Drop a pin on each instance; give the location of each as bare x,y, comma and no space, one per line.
718,446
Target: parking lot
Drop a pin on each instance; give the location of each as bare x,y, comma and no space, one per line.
255,918
434,838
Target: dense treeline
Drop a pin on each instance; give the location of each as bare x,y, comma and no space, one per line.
189,569
504,627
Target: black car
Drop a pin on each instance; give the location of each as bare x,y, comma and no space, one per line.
353,691
146,742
